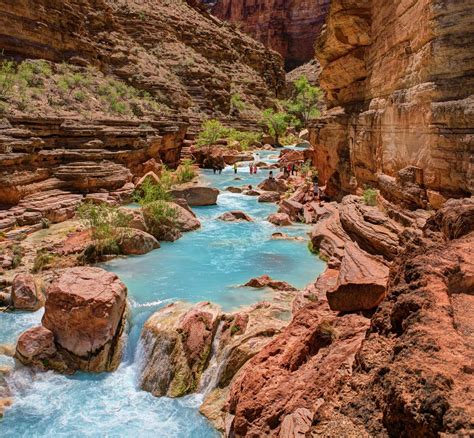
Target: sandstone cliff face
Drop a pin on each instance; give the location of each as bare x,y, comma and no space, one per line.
289,27
183,57
397,80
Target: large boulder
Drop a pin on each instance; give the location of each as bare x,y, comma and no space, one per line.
374,231
236,157
186,220
455,219
176,344
27,293
235,216
328,237
280,219
36,344
137,242
273,185
269,197
362,281
197,195
292,208
86,312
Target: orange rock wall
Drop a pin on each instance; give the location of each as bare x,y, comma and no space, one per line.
398,80
289,27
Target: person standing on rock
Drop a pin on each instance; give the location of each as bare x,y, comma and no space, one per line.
316,188
270,175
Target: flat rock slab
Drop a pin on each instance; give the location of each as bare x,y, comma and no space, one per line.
197,195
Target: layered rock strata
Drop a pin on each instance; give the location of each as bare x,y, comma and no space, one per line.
399,92
289,27
179,54
49,165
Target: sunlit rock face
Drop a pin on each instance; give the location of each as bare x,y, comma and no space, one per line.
398,92
289,27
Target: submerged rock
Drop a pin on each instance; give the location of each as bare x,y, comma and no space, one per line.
176,343
27,293
266,281
234,216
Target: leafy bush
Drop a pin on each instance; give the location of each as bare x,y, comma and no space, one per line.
370,196
289,140
7,78
106,223
42,260
160,217
151,191
185,172
246,139
211,131
17,251
237,105
276,123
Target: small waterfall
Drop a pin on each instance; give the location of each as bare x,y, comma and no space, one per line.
210,376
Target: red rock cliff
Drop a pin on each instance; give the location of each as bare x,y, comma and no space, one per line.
399,88
289,27
182,56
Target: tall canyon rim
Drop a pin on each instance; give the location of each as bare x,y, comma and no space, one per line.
288,27
113,94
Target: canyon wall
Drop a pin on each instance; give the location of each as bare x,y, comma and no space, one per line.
399,85
289,27
184,57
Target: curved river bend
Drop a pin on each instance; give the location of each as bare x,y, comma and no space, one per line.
206,265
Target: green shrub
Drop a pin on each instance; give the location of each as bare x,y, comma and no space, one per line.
185,172
234,329
7,79
80,96
159,217
237,105
106,223
151,191
304,102
370,196
17,251
307,168
246,139
42,260
289,140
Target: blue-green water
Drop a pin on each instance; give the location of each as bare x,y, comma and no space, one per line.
208,264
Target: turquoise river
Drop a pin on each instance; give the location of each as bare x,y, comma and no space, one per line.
205,265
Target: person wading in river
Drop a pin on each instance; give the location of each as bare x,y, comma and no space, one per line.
235,168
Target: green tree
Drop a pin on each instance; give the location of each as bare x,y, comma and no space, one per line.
304,102
276,123
211,131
